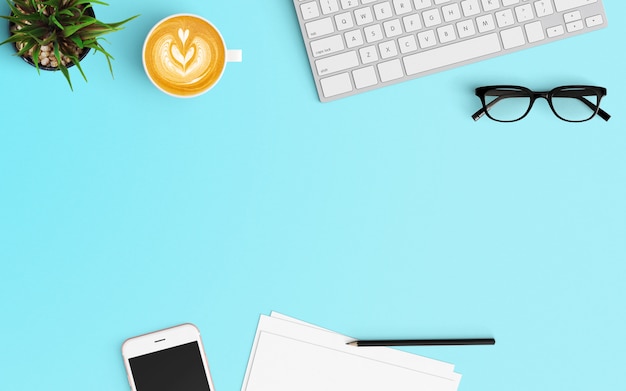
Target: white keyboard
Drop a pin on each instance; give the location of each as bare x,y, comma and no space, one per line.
360,45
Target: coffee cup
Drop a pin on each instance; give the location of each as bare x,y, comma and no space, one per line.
184,55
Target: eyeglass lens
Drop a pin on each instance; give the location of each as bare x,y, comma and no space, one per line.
575,103
507,103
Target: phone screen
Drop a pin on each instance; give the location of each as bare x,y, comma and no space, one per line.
178,368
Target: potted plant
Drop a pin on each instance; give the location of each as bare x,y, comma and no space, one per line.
57,34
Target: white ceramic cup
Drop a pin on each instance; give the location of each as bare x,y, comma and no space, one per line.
184,55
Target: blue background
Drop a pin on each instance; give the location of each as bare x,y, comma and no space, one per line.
386,215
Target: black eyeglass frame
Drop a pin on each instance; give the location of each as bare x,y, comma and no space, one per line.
600,92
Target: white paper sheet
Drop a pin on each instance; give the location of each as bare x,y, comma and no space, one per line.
398,357
290,355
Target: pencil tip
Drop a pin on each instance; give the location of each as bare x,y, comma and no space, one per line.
353,343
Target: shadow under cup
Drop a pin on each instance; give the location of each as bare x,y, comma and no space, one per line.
184,55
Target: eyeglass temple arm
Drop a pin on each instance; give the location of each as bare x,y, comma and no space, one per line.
603,114
479,114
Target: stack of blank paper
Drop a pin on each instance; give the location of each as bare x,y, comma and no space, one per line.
290,355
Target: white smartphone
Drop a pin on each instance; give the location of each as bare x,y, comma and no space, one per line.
165,360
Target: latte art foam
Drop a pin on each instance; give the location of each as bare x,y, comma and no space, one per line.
184,55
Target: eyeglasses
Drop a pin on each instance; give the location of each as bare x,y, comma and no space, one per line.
512,103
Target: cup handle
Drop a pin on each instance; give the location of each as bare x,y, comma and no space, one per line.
233,55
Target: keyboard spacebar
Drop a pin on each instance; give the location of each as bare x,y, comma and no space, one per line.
452,54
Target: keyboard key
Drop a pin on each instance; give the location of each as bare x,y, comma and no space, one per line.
470,8
329,6
534,32
490,5
427,39
368,54
574,26
407,44
364,77
326,46
388,49
485,23
344,21
363,16
512,38
505,18
555,31
451,54
543,8
451,12
373,33
402,6
319,27
383,11
524,13
431,17
572,16
392,28
421,4
336,63
354,38
446,33
466,28
345,4
593,21
335,85
565,5
309,10
412,23
390,70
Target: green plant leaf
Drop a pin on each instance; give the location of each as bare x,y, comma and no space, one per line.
36,53
71,30
12,39
66,73
63,24
76,62
62,67
118,24
33,5
36,33
14,9
54,20
81,2
98,48
78,42
28,45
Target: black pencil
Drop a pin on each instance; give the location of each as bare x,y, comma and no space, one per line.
424,342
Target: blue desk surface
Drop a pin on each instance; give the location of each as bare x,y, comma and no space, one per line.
386,215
